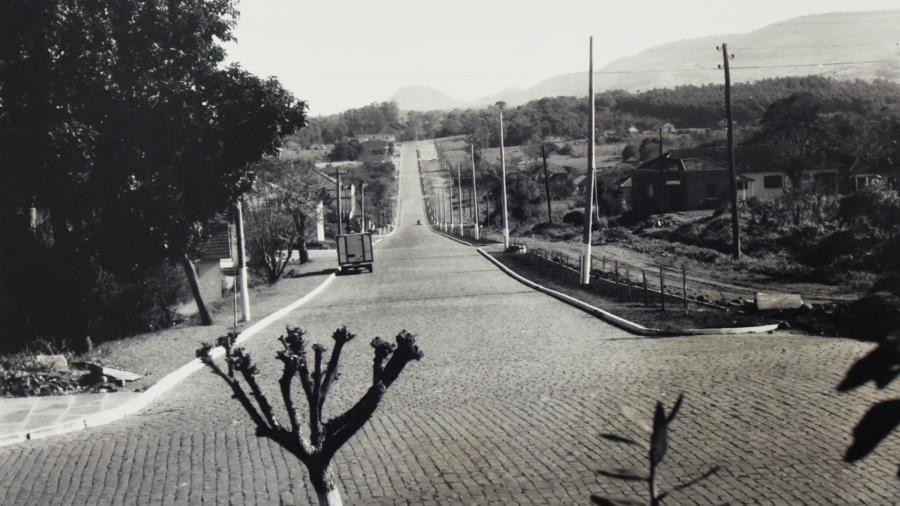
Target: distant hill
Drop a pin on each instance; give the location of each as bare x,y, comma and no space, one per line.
423,98
788,48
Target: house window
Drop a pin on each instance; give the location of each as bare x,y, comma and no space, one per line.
743,185
711,190
773,182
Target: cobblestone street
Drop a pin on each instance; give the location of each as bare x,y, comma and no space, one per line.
506,407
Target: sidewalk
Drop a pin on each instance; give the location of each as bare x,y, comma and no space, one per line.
163,358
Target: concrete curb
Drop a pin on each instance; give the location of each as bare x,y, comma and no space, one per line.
451,237
162,386
618,321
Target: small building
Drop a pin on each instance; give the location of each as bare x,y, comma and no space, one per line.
690,179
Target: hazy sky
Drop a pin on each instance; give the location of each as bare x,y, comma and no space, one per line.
338,54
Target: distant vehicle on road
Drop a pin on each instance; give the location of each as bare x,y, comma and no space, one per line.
355,252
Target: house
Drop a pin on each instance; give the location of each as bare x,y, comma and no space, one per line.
384,137
678,182
689,179
668,128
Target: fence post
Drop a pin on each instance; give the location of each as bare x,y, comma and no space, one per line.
684,287
644,276
662,288
628,282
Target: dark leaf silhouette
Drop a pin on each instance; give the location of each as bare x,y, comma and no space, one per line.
713,470
675,408
657,451
880,365
875,425
659,439
601,500
622,439
622,473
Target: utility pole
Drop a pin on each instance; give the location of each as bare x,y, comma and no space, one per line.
441,206
474,194
340,210
547,184
663,189
242,262
450,200
732,175
362,208
500,105
589,213
459,187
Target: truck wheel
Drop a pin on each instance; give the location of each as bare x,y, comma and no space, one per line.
370,268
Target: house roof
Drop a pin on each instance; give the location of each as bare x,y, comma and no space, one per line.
748,159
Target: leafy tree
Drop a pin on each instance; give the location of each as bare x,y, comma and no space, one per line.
124,132
349,150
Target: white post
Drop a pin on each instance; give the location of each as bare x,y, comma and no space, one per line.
242,262
459,185
503,183
588,211
475,194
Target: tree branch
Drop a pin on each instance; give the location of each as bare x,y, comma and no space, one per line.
341,336
249,371
238,391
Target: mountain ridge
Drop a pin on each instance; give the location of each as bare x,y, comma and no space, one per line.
829,44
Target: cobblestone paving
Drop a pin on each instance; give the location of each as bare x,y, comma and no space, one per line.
505,408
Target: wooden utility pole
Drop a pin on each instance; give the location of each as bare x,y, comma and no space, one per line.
459,187
362,208
340,210
441,205
547,184
500,105
474,194
663,189
732,174
589,213
450,200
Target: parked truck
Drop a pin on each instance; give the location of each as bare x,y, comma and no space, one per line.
355,252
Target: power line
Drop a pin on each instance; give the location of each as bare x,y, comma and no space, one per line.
764,48
800,65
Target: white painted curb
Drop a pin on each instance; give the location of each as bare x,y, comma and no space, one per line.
618,321
163,385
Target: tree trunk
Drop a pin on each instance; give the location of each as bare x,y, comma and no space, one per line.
194,283
323,484
300,224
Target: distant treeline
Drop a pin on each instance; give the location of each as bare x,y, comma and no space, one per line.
683,106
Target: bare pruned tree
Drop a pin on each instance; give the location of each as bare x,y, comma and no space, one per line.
324,438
